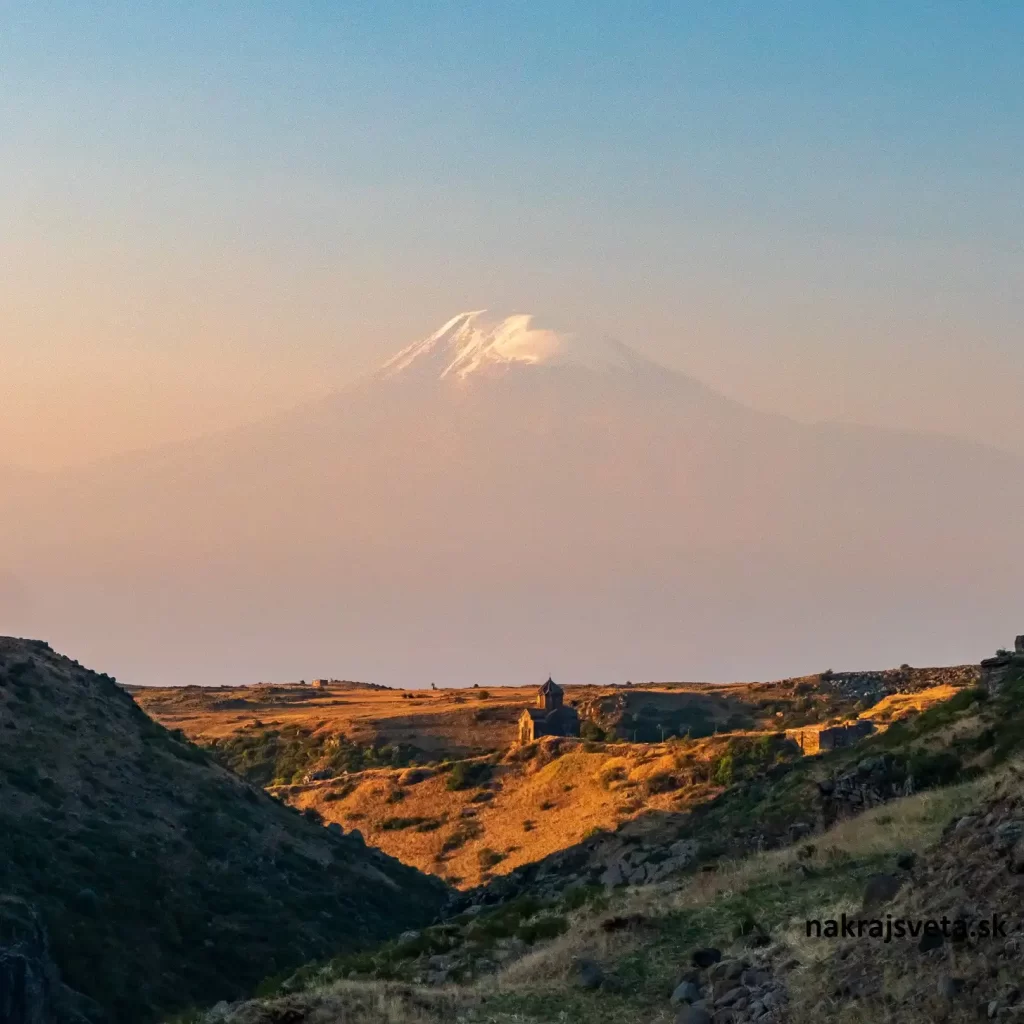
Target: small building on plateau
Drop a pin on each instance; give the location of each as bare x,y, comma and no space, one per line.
549,716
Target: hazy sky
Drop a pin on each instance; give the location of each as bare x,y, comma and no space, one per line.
211,210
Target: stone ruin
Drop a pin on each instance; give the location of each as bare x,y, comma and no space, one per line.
844,735
995,671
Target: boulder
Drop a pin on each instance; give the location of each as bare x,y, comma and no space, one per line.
1017,857
685,992
612,876
589,975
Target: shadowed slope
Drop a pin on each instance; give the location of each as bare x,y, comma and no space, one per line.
164,880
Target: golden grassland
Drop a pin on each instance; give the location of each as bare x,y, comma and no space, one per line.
445,722
528,810
527,807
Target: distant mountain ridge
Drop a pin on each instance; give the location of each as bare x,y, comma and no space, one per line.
502,500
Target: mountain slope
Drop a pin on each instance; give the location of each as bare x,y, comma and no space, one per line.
163,880
500,502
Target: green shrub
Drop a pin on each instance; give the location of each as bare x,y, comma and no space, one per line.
466,774
285,754
933,769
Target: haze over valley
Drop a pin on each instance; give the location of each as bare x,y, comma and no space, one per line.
501,500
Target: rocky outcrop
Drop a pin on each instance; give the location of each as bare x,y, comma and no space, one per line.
873,781
969,969
31,991
997,670
732,990
872,686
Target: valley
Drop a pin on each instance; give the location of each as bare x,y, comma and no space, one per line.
336,851
433,777
699,914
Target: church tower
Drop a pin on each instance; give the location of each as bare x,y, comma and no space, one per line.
549,696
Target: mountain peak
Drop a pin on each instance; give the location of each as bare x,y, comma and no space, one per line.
475,342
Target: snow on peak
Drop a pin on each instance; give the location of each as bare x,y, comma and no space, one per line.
473,342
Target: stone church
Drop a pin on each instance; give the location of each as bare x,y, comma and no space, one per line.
550,717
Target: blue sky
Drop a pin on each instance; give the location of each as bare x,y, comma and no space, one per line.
814,207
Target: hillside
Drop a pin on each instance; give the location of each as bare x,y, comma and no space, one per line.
923,821
163,880
428,776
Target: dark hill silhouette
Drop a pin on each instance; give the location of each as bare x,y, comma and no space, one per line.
163,880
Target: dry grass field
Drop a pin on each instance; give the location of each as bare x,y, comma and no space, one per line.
524,811
439,783
441,723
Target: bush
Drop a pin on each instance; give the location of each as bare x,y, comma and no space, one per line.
724,770
465,774
399,824
285,754
933,769
488,858
460,836
660,782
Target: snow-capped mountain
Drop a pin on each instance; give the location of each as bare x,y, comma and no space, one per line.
502,501
474,343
